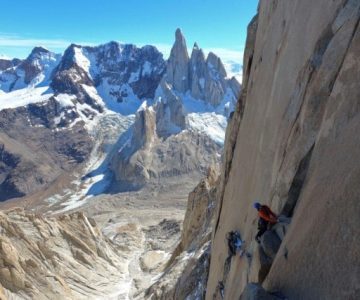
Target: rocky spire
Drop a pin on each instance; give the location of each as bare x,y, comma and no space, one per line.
215,62
178,64
197,72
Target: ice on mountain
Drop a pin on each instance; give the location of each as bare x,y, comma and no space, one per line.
24,97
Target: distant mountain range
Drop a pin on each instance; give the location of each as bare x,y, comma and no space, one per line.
51,106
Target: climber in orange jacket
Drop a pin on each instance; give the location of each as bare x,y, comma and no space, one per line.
266,219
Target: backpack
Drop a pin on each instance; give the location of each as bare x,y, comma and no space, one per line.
234,242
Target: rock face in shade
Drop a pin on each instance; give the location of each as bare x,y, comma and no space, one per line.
198,72
33,154
292,142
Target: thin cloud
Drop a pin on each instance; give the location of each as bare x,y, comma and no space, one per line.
10,40
13,40
2,56
227,54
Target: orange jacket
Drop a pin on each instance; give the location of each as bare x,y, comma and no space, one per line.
266,214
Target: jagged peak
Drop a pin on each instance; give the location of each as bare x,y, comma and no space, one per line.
179,35
197,53
215,61
179,46
212,58
38,50
179,49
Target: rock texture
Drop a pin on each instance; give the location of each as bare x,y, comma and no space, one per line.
293,143
34,155
44,258
177,71
187,270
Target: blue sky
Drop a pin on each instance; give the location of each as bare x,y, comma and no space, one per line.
218,25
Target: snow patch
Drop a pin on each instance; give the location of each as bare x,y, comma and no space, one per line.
96,176
202,82
119,99
65,100
134,76
146,68
58,119
24,97
93,93
81,60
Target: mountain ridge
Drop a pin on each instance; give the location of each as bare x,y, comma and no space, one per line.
69,95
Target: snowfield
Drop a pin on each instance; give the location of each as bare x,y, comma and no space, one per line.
24,97
211,124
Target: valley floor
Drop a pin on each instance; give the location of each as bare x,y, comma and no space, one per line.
144,225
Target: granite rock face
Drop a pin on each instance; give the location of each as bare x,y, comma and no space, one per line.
201,78
177,70
292,143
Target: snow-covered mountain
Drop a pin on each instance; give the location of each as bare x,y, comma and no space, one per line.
52,106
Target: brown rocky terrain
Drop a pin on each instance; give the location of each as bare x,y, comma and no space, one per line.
138,230
65,257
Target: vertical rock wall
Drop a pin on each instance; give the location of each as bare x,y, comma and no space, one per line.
293,143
